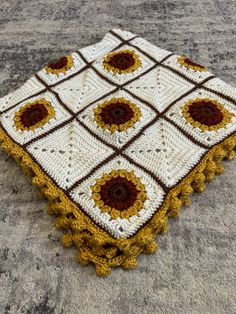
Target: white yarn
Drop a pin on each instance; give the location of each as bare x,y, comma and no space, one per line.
70,152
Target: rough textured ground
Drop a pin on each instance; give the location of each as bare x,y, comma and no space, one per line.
194,269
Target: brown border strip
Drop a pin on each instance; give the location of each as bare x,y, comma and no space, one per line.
199,85
55,94
79,205
181,74
118,87
89,65
61,125
117,152
120,151
34,95
69,120
159,63
111,92
191,138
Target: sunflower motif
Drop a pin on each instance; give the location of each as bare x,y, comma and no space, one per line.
116,114
60,66
124,61
190,64
206,114
119,193
33,115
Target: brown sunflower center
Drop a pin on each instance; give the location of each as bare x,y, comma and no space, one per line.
33,115
206,113
61,63
119,193
190,62
117,113
122,60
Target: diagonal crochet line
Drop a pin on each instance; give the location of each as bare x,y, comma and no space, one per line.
117,152
49,89
117,87
108,158
127,144
15,105
230,99
120,151
128,42
89,64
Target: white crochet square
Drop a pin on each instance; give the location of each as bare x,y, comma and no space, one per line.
119,227
165,151
117,139
51,78
83,89
161,146
125,35
196,76
220,86
155,52
159,87
23,136
120,79
31,87
207,138
68,153
95,51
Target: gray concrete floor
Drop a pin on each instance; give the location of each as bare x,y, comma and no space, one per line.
194,269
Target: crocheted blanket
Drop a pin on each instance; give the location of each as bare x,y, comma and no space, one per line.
117,136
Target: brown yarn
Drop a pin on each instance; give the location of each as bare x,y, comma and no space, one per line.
205,112
119,193
122,61
33,115
117,113
59,64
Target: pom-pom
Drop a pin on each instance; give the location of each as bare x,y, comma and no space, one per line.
67,240
174,207
82,258
102,269
151,247
129,263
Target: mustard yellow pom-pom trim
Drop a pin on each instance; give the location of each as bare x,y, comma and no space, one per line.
50,114
226,114
115,70
115,127
198,68
114,213
68,66
97,246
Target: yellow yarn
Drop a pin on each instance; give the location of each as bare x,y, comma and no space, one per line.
84,234
210,169
150,248
102,269
174,207
82,257
67,240
129,263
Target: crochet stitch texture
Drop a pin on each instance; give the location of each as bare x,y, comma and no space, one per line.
117,136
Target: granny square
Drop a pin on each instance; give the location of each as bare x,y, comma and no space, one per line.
117,136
